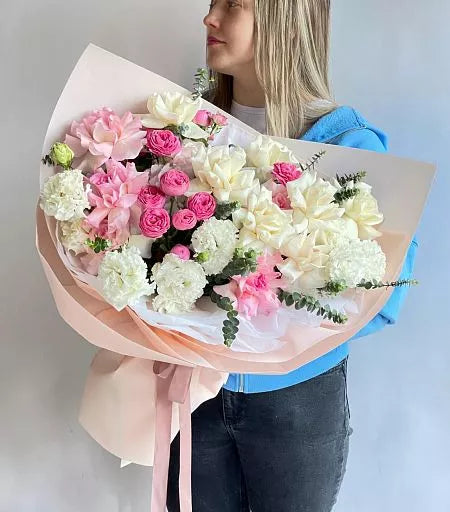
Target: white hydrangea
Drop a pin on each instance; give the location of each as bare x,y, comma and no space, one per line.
352,260
64,195
217,238
124,277
179,283
73,236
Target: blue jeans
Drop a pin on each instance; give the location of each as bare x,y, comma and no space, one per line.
284,450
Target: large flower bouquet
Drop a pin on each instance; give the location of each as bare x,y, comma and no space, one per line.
186,245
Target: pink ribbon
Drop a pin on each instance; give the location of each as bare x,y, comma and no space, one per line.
172,386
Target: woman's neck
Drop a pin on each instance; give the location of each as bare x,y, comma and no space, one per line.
247,90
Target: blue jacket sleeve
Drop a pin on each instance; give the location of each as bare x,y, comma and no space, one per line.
365,138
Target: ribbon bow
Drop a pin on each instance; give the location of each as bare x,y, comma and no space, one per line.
172,385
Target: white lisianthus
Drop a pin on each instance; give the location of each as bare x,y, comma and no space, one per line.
216,241
305,267
219,169
124,277
173,108
351,261
262,223
312,202
73,236
363,209
179,283
64,195
344,227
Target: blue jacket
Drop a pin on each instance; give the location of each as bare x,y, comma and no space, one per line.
343,127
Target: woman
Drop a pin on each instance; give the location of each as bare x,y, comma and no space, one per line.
278,443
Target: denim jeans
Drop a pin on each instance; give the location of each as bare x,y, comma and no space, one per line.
275,451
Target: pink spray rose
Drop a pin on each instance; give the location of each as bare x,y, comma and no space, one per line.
102,134
284,172
174,182
163,142
202,118
220,119
280,197
113,194
154,222
181,251
152,197
184,219
202,204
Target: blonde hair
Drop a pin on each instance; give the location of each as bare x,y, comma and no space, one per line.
292,62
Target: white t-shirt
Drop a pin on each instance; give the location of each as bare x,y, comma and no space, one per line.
253,116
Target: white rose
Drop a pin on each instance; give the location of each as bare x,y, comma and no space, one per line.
173,108
219,169
312,202
262,223
263,152
363,209
306,265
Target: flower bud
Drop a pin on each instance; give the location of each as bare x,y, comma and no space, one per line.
61,154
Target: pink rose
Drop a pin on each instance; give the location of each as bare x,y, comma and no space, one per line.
202,204
101,135
202,118
163,142
152,197
184,219
154,222
281,199
174,182
181,251
284,172
220,119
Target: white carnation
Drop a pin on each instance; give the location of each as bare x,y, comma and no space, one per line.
64,196
124,277
73,235
218,239
351,261
179,283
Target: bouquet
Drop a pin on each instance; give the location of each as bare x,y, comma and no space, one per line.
177,236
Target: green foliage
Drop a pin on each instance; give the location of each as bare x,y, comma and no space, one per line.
344,194
369,285
98,244
356,177
333,287
299,301
310,165
231,323
224,210
201,82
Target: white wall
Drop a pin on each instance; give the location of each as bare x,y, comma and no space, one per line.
389,61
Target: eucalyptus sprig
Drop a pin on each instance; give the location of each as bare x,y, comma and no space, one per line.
312,162
333,287
344,194
231,323
355,177
369,285
300,301
201,82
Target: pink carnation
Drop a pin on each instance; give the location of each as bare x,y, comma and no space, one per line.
202,118
152,197
255,293
202,204
174,182
113,194
163,142
102,134
284,172
181,251
184,219
154,222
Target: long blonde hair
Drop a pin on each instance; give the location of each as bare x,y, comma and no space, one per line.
292,40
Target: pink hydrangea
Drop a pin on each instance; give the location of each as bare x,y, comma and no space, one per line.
255,293
113,193
102,134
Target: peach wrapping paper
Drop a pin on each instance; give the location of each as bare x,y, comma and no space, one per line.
119,402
